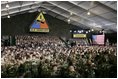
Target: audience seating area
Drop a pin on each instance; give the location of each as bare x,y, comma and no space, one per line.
48,56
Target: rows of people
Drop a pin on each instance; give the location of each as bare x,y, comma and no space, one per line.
47,56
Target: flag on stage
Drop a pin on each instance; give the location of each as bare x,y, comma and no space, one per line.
98,39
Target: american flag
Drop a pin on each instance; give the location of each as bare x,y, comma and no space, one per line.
98,39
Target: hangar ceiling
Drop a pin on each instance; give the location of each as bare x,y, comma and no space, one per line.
86,14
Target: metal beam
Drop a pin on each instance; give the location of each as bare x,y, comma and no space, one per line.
71,18
90,12
108,5
19,11
10,8
87,22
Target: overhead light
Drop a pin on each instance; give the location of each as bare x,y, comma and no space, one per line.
70,30
92,30
82,31
86,31
68,20
89,31
74,31
8,16
7,6
71,13
88,13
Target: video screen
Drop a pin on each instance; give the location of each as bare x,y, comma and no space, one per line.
79,35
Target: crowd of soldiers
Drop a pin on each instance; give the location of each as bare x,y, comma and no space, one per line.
48,56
